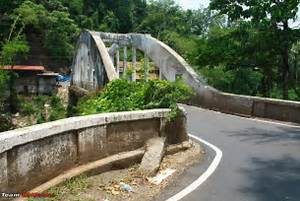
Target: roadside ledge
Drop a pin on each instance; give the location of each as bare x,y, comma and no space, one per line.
45,151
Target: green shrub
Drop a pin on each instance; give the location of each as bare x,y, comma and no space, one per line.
58,111
40,118
4,79
36,106
28,108
293,94
123,95
5,122
240,81
40,101
119,95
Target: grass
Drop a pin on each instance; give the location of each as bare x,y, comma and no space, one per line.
69,190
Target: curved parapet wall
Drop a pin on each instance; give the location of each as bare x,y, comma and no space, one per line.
92,67
172,65
36,154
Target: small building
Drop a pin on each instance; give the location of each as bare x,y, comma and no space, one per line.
33,79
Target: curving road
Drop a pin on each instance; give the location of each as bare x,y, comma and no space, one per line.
261,160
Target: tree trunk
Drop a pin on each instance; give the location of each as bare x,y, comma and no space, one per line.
267,81
12,94
285,74
285,63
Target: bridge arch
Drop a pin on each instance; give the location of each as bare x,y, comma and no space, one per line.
166,59
93,67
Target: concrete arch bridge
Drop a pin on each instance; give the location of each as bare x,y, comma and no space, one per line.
260,158
97,61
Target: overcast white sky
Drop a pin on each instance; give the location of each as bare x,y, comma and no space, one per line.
193,4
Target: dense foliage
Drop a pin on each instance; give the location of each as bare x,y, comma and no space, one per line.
32,110
36,106
263,36
123,95
241,46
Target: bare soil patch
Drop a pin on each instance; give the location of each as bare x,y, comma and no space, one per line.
126,184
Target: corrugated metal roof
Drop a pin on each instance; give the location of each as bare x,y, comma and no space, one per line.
50,74
23,68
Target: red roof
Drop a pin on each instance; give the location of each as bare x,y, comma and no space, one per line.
23,68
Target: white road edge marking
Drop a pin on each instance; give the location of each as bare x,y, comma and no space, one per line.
211,169
267,121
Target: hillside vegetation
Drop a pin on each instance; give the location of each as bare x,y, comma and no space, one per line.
244,47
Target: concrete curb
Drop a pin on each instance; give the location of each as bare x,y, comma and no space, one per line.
99,166
124,159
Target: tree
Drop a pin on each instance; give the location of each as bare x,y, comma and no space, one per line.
57,30
162,16
227,57
75,7
111,23
271,17
17,47
295,68
198,22
12,49
60,35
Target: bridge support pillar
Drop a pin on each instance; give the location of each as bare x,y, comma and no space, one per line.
125,60
133,64
146,67
112,51
112,57
160,74
118,62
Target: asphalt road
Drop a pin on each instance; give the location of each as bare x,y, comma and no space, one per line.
261,161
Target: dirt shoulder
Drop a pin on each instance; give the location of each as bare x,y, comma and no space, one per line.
128,184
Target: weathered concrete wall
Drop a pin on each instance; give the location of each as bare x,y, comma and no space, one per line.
276,109
35,162
46,84
3,171
34,84
33,155
28,84
249,106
